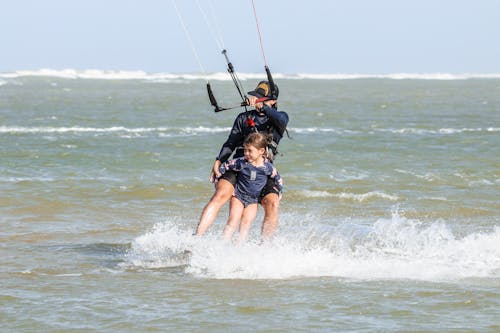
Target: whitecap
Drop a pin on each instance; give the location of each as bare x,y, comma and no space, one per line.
439,131
392,248
366,196
347,175
112,129
223,76
316,194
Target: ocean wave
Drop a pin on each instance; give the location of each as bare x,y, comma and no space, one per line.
366,196
307,130
202,129
316,194
43,179
397,76
402,131
445,131
427,176
223,76
349,196
348,175
392,248
95,74
112,129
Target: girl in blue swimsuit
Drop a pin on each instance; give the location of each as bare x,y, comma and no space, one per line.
253,171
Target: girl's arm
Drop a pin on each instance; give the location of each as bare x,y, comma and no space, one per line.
234,165
277,178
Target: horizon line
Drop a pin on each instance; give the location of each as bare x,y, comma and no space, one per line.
69,73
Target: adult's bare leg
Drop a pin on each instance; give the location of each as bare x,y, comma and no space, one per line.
270,203
222,194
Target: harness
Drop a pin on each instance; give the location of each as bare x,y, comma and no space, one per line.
272,146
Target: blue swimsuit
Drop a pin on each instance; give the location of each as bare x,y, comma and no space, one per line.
251,179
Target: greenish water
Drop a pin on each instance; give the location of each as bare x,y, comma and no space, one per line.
390,219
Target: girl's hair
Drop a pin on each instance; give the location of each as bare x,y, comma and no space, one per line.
258,140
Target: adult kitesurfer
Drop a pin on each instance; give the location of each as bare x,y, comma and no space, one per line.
265,118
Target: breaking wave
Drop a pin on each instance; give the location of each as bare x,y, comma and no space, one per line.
113,129
222,76
391,248
350,196
215,129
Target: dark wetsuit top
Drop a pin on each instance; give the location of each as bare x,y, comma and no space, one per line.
271,121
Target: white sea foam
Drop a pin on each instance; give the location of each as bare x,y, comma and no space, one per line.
126,75
393,248
170,131
366,196
348,175
307,130
349,196
26,179
169,77
160,247
427,176
404,131
316,194
398,76
112,129
422,131
433,198
43,179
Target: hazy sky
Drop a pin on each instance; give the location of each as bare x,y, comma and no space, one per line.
313,36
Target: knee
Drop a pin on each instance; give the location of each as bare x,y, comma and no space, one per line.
224,191
220,197
271,202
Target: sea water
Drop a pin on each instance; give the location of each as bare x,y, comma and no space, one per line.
390,220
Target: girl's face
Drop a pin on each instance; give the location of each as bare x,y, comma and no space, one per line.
252,153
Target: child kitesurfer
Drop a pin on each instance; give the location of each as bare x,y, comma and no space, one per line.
253,171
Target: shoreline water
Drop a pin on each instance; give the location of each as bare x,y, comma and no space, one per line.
389,221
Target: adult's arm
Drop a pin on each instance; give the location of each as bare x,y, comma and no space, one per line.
279,119
233,140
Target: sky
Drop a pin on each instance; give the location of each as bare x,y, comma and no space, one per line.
312,36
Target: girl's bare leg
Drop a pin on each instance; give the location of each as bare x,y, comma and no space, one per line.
247,218
235,211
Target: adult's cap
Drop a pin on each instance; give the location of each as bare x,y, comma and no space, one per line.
263,89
